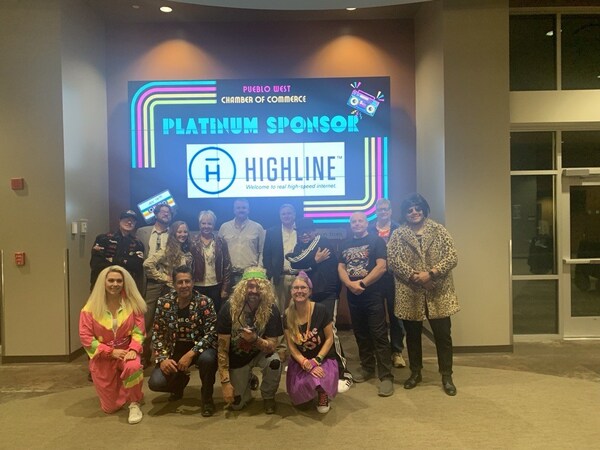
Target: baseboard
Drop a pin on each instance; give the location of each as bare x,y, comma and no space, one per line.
484,349
43,358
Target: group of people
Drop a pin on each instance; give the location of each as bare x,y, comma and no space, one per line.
244,298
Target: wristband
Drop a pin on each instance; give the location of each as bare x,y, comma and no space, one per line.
318,359
227,381
362,284
432,275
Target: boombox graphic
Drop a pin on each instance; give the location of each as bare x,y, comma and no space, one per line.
363,102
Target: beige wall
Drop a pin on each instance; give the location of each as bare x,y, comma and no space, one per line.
31,146
85,148
554,107
43,120
429,50
475,154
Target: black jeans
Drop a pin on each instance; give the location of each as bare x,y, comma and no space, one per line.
443,343
207,365
370,330
396,327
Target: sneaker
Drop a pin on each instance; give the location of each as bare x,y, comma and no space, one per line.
135,413
344,384
323,402
386,387
361,375
398,360
270,405
253,382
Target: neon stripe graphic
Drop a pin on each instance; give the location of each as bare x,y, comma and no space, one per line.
376,186
143,152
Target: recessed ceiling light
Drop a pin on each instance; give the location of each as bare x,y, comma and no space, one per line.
166,9
135,6
550,33
350,9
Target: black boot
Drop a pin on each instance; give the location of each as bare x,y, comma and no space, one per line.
448,385
414,379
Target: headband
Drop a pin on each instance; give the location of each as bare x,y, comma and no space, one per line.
304,277
257,274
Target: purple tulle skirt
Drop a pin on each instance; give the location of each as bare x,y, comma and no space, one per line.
301,386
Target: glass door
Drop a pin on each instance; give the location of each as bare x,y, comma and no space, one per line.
581,254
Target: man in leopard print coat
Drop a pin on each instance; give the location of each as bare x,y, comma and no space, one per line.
421,255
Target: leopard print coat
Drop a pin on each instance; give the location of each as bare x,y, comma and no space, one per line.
406,256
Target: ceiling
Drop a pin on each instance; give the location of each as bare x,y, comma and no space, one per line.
296,5
147,11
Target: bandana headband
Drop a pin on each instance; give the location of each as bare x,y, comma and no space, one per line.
252,275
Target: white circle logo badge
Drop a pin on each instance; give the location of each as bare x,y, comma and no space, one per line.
212,170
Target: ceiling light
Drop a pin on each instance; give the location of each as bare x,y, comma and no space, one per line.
550,33
166,9
350,9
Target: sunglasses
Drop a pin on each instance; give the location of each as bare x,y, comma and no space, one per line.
413,209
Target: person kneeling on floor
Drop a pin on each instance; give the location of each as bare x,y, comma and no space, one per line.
249,327
312,368
185,333
111,329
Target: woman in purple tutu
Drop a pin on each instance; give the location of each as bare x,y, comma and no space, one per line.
312,368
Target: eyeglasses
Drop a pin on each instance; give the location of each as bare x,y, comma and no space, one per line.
299,288
383,209
413,209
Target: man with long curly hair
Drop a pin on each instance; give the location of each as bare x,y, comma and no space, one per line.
248,328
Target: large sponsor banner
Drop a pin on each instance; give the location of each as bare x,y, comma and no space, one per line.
320,144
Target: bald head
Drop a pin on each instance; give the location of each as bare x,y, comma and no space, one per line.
359,224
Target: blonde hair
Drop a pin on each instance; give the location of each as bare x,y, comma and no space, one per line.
292,320
131,296
238,299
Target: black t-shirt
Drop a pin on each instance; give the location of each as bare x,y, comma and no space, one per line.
240,351
311,344
361,255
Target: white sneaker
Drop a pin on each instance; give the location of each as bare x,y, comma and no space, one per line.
135,413
398,360
344,384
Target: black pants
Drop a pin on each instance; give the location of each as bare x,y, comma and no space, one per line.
330,302
443,343
207,365
370,330
396,327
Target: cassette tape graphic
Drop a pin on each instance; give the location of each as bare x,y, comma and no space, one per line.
363,102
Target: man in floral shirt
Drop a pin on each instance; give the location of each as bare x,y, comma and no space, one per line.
184,333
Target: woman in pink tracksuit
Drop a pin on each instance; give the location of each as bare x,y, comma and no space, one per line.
111,329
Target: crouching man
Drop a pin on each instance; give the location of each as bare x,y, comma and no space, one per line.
249,327
184,334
